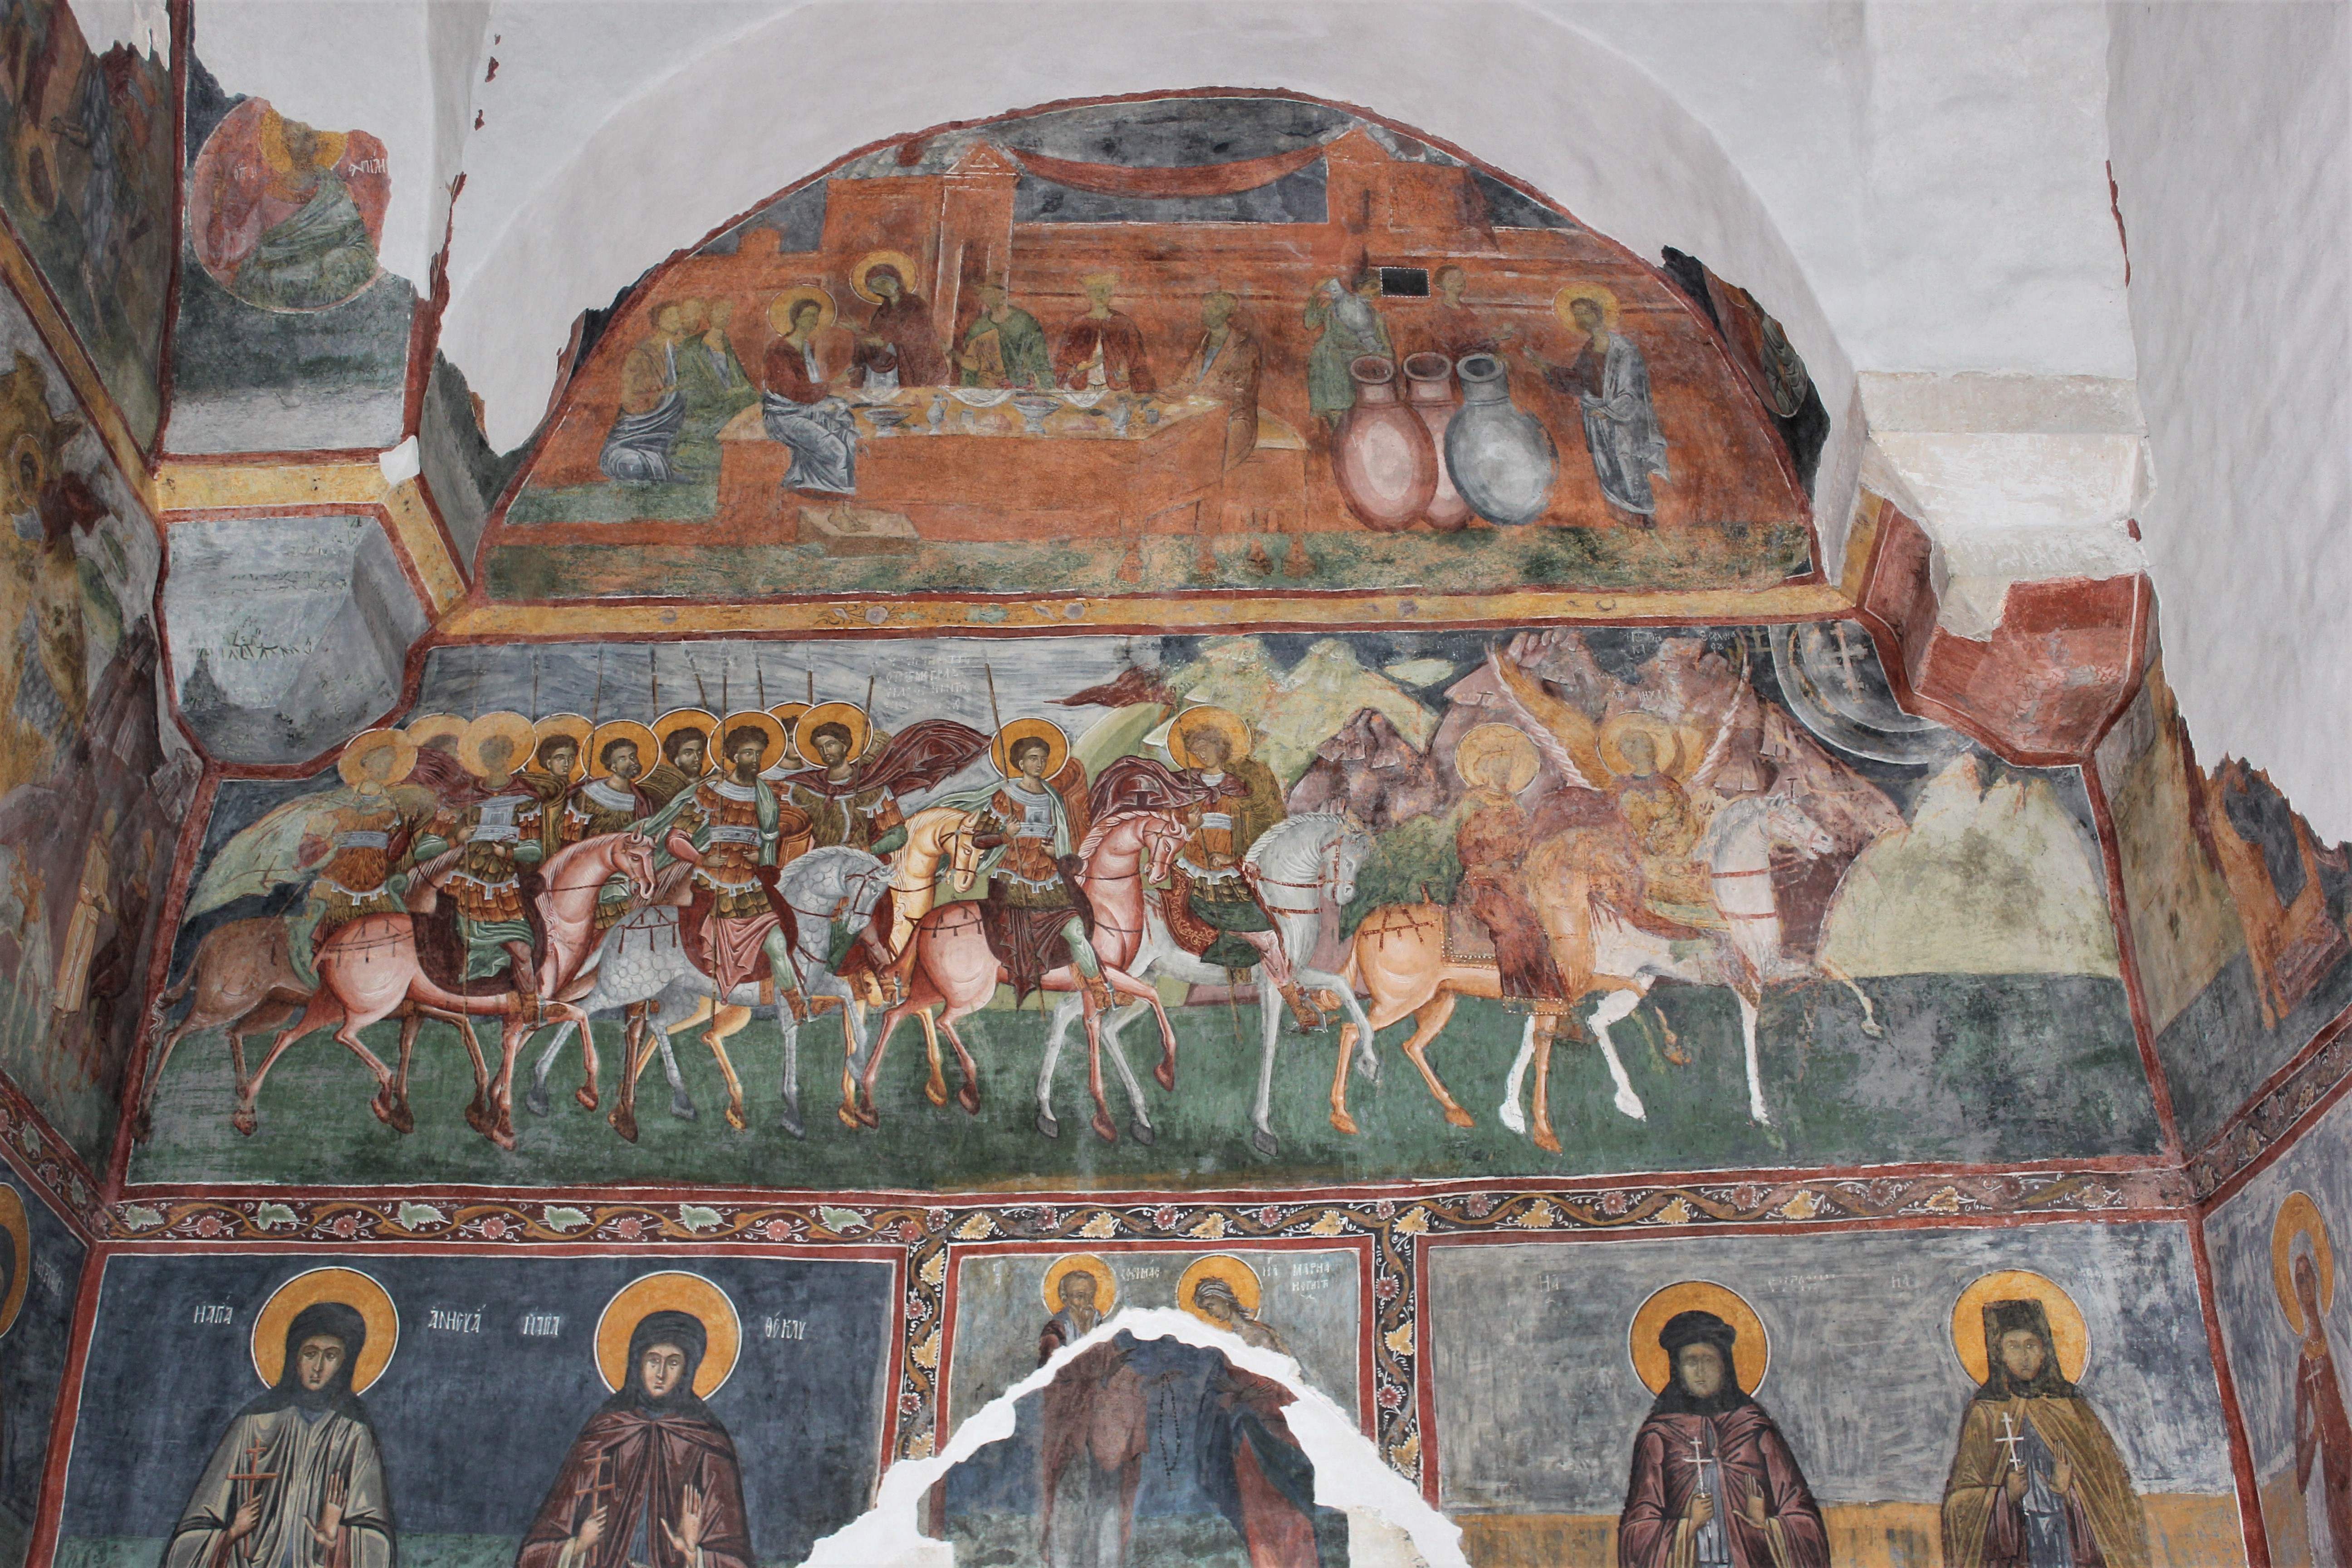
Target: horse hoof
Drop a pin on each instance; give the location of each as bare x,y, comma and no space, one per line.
586,1095
624,1122
1873,1031
1343,1122
478,1118
402,1121
1164,1075
143,1128
534,1100
936,1092
1105,1129
1677,1056
1140,1131
968,1097
1457,1117
245,1122
1547,1141
1265,1143
381,1103
682,1107
1048,1126
735,1116
789,1119
1629,1104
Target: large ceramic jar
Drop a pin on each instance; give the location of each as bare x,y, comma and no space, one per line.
1381,454
1429,393
1500,459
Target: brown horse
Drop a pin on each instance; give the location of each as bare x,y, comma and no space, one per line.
369,969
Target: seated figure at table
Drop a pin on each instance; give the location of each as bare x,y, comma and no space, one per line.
1104,347
797,403
1005,346
652,410
902,325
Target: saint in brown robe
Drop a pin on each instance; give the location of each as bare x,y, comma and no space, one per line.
635,1460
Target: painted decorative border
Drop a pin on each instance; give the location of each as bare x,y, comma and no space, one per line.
49,1163
1391,1225
2271,1119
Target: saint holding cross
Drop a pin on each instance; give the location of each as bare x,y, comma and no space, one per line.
1714,1483
296,1480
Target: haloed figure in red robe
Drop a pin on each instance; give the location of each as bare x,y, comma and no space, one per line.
652,1479
1714,1483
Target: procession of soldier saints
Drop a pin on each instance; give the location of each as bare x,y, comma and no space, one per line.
800,862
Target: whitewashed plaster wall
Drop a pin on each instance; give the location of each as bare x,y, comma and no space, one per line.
2232,127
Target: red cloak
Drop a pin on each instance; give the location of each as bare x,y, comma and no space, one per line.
1753,1455
637,1460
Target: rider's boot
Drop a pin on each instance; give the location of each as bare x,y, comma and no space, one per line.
1303,1011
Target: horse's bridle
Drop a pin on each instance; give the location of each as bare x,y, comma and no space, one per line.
1326,872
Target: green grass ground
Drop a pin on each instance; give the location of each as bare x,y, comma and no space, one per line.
1733,556
1970,1068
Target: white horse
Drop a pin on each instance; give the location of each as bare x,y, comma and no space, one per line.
644,958
1746,956
1298,864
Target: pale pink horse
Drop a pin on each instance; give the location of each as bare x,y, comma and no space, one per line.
368,970
954,969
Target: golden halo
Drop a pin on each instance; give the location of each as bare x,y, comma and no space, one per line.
1225,1267
701,720
1592,292
1495,741
2300,1217
772,733
368,742
1195,720
1106,1283
789,715
354,1289
678,1291
2068,1333
574,725
19,1227
1667,749
648,747
1751,1350
428,728
1057,745
512,727
849,715
781,308
899,259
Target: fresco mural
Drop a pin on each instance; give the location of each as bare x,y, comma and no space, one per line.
287,633
93,787
1015,1309
334,1408
290,336
40,1278
1215,341
88,188
1641,909
2011,1395
2241,917
1146,1450
2275,1282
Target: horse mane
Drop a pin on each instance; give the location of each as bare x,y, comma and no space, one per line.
1339,818
1103,824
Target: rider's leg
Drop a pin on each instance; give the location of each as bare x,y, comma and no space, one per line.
300,930
526,970
786,978
1083,959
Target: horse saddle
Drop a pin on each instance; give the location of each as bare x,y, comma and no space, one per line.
695,915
